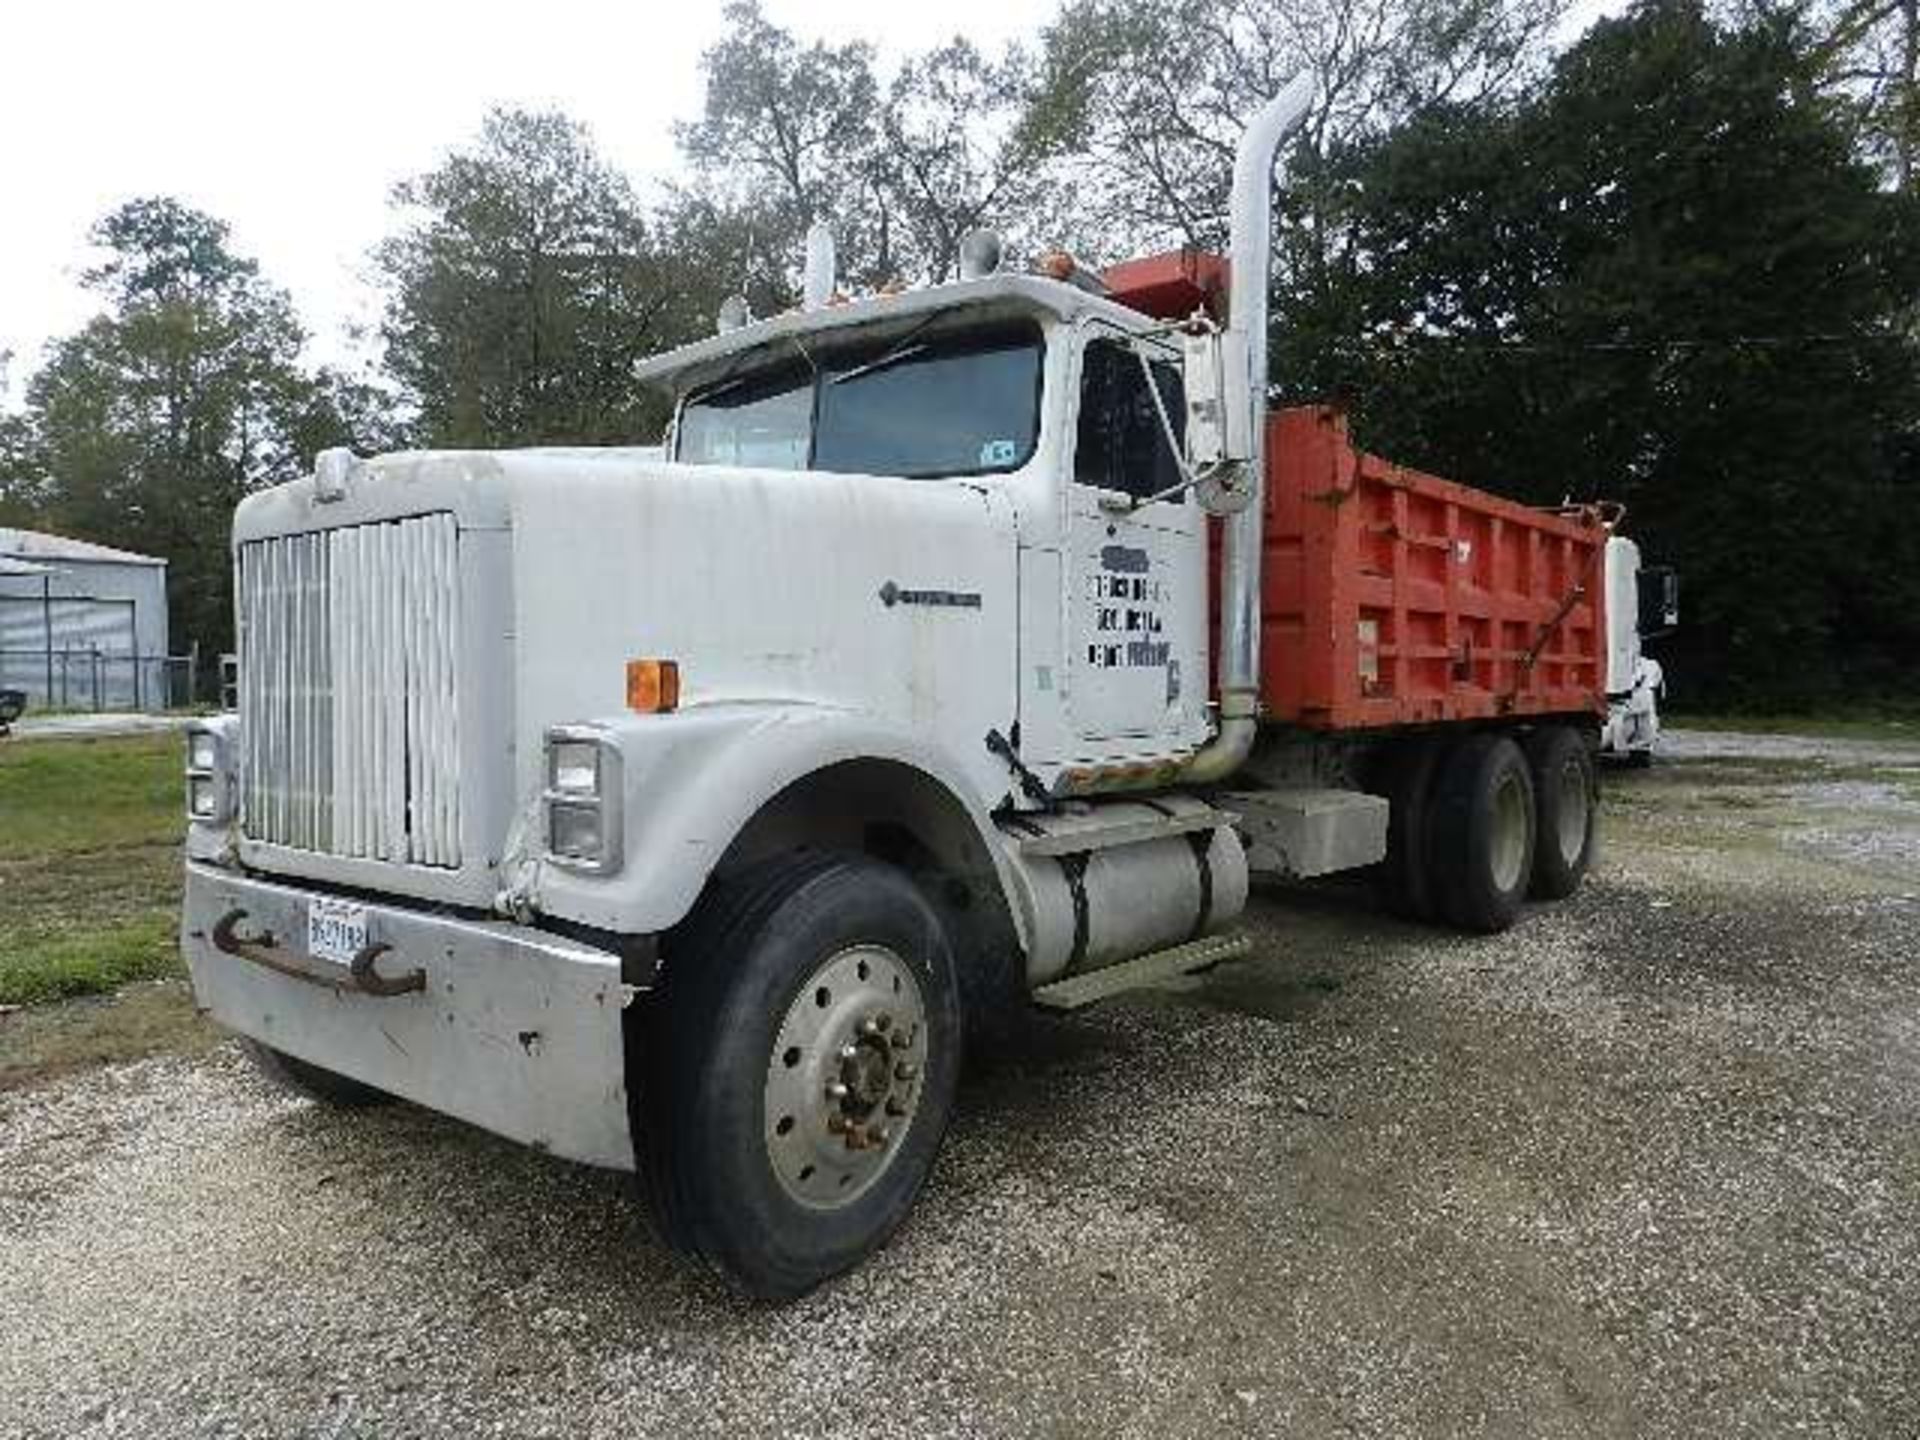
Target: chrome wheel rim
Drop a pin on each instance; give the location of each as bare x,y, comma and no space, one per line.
1509,848
845,1076
1574,800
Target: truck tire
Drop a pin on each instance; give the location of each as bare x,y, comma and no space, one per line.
311,1080
1482,833
1407,873
1565,804
800,1070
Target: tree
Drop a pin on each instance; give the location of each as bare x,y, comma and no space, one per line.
1665,278
521,290
787,137
900,168
149,425
1152,95
1868,52
957,153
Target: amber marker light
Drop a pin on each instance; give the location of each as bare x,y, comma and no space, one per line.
653,686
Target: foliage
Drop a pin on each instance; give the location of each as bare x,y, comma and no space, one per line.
902,169
1663,278
1148,97
521,289
147,427
1867,51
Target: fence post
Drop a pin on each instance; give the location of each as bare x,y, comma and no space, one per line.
96,678
46,618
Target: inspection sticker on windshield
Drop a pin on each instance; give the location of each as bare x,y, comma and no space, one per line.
336,930
999,452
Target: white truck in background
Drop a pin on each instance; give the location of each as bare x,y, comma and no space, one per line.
1643,603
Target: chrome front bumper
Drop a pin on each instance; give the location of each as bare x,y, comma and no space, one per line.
509,1028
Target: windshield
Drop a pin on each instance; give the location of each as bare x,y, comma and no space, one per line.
919,406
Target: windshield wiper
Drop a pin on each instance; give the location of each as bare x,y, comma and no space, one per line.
910,345
892,357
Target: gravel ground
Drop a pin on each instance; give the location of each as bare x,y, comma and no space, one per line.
1647,1165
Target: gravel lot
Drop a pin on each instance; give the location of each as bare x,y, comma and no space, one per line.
1647,1165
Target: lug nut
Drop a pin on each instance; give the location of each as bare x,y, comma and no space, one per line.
849,1051
836,1123
836,1091
903,1038
884,1020
905,1070
881,1135
870,1026
896,1107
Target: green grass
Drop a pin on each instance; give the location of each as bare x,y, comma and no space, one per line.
89,960
89,864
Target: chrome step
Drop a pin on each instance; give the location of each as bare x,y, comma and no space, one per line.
1080,990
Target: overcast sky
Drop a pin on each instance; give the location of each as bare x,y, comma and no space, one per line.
291,122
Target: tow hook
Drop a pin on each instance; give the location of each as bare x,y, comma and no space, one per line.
361,978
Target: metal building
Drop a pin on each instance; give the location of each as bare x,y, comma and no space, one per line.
82,626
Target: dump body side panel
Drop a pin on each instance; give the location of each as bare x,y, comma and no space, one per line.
1391,597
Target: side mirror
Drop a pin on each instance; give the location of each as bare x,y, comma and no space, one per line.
1219,430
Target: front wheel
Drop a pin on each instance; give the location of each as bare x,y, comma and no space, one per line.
800,1070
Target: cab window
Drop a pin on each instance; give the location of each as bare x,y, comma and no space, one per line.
923,404
1121,443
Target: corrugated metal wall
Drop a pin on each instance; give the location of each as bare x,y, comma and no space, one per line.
108,630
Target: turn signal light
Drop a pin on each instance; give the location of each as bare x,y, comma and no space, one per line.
653,686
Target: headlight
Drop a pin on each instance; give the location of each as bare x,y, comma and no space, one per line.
203,753
209,773
573,768
583,801
573,832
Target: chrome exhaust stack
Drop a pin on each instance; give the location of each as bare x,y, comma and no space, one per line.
1244,360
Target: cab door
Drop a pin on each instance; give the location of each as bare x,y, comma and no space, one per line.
1135,621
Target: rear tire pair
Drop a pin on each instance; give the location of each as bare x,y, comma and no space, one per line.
796,1070
1478,823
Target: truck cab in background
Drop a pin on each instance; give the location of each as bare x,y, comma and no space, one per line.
1643,603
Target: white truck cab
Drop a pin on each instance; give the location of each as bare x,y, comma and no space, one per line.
1643,603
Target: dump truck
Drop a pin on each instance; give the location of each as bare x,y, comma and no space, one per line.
964,648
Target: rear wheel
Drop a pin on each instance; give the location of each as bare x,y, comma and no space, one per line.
311,1080
1482,832
800,1070
1564,808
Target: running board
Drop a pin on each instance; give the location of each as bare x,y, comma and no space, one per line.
1078,990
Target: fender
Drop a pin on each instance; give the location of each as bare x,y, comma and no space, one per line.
694,778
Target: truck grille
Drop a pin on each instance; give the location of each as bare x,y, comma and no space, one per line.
349,708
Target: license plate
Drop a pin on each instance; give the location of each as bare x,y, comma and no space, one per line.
336,930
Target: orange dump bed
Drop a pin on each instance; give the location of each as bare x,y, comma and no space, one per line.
1396,598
